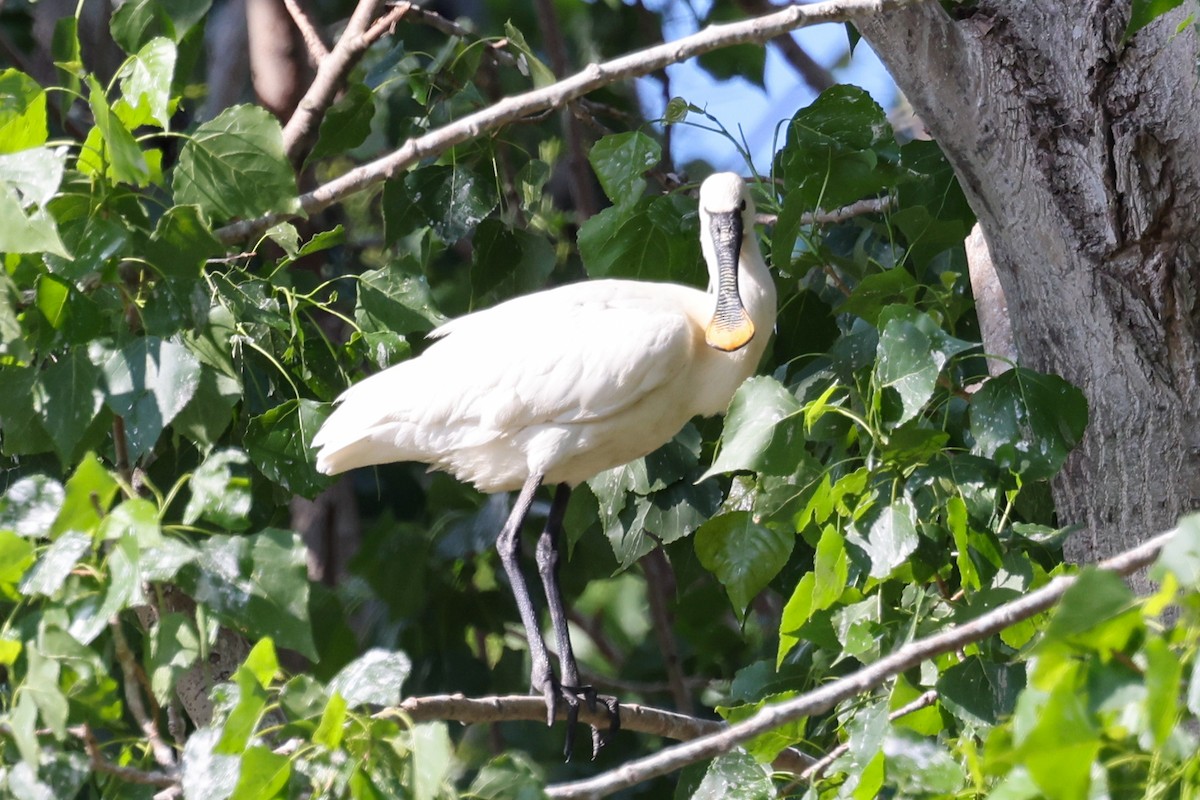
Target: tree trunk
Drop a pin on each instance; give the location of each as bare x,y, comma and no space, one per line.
1080,155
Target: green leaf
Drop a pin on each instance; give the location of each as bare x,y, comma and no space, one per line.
89,492
831,568
16,555
1180,556
278,442
374,678
22,112
234,166
329,731
138,517
181,243
30,178
981,692
263,774
121,159
451,200
620,160
735,776
796,613
41,681
391,301
1062,743
1146,11
433,760
145,78
138,21
527,61
506,262
1097,611
1164,673
743,555
30,505
655,238
890,538
36,173
840,148
347,123
148,382
68,397
221,491
1028,422
56,563
257,584
906,365
174,647
753,424
919,767
205,772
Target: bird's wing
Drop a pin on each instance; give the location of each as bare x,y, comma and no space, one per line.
576,353
580,352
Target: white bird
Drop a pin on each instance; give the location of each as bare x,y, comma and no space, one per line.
557,386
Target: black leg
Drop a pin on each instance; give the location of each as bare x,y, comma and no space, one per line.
548,561
509,546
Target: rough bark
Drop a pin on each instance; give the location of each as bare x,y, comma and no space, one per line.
1080,154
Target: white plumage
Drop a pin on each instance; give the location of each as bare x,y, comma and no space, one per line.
563,383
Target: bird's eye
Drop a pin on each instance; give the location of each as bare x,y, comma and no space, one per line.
742,205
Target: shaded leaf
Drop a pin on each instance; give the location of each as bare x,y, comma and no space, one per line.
256,583
743,555
1028,422
148,382
234,166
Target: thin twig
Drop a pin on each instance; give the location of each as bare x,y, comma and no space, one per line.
451,28
128,774
660,587
822,764
312,39
871,205
582,184
163,753
121,449
634,717
555,95
863,680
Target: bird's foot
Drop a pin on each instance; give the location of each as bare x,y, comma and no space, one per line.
572,696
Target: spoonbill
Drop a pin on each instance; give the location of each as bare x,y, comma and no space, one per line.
557,386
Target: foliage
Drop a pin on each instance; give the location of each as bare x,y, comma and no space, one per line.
873,485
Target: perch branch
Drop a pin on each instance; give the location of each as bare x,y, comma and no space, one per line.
555,95
826,697
634,717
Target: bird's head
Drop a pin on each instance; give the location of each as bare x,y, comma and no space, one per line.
726,215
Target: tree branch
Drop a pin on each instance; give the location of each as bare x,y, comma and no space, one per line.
317,50
634,717
555,95
163,753
128,774
819,767
360,33
827,696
